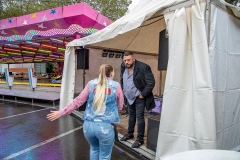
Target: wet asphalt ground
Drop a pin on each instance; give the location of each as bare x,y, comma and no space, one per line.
26,134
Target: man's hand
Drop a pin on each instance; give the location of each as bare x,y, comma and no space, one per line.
140,96
53,115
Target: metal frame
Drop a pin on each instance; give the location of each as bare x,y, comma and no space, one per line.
219,4
208,19
172,8
15,100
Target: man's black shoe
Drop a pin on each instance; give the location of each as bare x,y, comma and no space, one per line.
126,137
137,144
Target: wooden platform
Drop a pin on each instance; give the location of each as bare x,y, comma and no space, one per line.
123,126
38,84
33,95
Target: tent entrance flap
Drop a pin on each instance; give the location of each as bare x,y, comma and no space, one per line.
188,113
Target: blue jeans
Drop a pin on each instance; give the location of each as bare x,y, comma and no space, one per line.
100,136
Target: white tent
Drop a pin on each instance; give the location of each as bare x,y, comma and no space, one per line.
201,107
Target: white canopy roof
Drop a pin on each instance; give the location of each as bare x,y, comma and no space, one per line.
137,31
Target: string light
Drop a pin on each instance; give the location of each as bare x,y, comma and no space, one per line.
13,50
17,58
56,40
13,53
10,60
4,55
42,54
61,50
32,43
29,48
48,46
40,57
55,56
28,52
12,45
19,61
37,58
28,55
28,58
44,51
50,58
2,51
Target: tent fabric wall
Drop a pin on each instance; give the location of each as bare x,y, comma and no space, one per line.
68,78
224,53
188,115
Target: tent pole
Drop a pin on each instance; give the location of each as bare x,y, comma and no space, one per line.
160,88
173,8
84,55
208,19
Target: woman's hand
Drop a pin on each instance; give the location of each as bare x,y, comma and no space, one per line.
53,115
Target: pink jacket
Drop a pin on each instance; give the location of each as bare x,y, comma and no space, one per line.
83,96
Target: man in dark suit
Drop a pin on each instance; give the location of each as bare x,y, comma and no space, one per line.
137,81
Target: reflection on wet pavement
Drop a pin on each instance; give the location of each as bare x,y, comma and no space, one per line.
26,134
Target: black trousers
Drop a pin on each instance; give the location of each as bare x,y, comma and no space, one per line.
136,112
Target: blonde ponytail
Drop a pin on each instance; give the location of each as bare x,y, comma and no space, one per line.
101,87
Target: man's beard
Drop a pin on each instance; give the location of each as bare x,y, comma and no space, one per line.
131,65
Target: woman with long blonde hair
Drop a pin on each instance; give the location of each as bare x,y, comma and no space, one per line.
104,98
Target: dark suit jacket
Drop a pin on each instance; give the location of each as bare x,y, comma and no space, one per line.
144,81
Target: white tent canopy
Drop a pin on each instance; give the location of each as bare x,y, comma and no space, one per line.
188,115
128,32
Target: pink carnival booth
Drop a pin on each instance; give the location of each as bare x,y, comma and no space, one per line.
42,36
